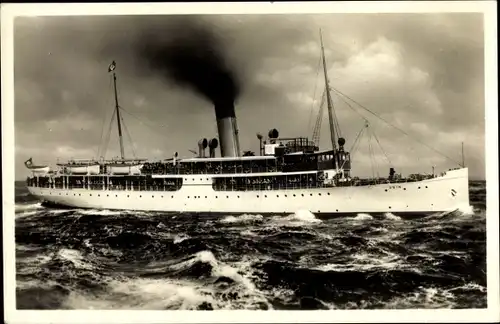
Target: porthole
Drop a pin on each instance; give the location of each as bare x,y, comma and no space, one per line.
193,179
336,210
238,196
172,196
107,195
140,196
152,196
227,196
188,197
128,196
311,195
285,196
116,196
216,197
201,179
390,207
74,194
79,194
161,196
206,197
404,188
426,187
418,187
66,194
328,193
60,194
90,195
302,195
98,195
385,190
265,196
278,196
294,195
319,194
257,196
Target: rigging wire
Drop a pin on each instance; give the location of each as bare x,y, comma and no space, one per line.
314,93
370,153
382,149
108,136
355,143
336,121
104,120
132,145
397,128
146,124
319,119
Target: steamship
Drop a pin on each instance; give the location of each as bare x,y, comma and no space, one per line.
288,174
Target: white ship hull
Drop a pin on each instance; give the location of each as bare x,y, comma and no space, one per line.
446,193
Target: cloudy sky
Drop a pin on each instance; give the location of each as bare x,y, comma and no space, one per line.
424,73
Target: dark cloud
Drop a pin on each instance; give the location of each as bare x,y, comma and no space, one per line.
422,72
192,56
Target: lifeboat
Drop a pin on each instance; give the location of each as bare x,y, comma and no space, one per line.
124,168
84,167
36,169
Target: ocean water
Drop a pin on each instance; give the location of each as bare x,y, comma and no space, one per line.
90,259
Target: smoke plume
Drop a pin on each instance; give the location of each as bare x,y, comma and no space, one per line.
193,56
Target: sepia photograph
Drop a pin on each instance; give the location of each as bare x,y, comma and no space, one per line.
279,158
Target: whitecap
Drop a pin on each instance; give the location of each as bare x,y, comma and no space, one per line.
99,212
300,217
244,218
179,238
24,207
75,257
391,216
363,216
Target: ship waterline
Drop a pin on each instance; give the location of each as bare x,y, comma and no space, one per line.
197,195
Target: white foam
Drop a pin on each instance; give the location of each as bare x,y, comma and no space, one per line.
152,294
466,210
103,212
181,237
248,233
22,207
365,261
300,217
391,216
245,218
75,257
363,216
161,294
26,214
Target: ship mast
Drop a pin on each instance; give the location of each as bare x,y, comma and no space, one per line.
463,158
328,95
117,107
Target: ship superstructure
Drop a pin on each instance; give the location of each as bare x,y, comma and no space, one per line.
287,175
